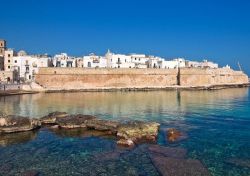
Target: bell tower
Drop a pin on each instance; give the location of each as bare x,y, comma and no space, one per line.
2,47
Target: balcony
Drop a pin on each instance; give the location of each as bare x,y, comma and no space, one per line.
96,61
118,62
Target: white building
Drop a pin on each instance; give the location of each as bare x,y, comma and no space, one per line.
93,61
140,60
63,60
28,65
203,64
119,60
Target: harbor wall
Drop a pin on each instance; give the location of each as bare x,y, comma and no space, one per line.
83,78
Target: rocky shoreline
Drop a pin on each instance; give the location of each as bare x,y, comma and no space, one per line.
127,134
166,160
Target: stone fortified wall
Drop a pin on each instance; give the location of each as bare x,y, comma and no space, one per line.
208,77
82,78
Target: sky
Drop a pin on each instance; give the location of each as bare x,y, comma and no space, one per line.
217,30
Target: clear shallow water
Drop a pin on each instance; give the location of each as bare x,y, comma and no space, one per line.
217,124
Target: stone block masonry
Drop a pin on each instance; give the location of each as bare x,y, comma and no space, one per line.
55,79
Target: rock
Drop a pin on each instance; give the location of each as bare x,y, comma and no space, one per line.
110,155
125,142
239,162
103,125
54,127
178,167
81,132
30,173
138,131
51,117
17,138
174,152
11,123
74,121
173,135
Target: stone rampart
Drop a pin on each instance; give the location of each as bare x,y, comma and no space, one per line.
82,78
208,77
79,78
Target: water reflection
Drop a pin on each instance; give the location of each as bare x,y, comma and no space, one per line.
17,138
123,105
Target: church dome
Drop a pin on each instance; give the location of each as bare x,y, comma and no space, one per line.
22,53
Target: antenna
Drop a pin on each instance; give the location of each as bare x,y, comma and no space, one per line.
239,66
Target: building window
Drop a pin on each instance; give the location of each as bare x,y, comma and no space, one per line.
9,61
135,58
15,61
89,64
139,59
8,66
8,55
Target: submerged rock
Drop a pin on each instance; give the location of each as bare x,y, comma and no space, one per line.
51,117
103,125
168,166
239,162
30,173
173,135
74,121
11,123
109,156
5,169
174,152
138,131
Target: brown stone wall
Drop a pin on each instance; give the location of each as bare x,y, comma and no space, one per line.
208,77
79,78
83,78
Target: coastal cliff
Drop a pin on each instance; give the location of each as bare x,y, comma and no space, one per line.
59,79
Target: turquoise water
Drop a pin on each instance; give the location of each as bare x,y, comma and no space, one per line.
217,124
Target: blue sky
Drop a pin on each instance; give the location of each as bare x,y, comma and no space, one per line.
195,29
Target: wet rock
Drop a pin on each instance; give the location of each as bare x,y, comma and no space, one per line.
173,135
17,138
51,117
54,127
11,123
81,132
178,167
138,131
174,152
103,125
125,142
30,173
74,121
239,162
